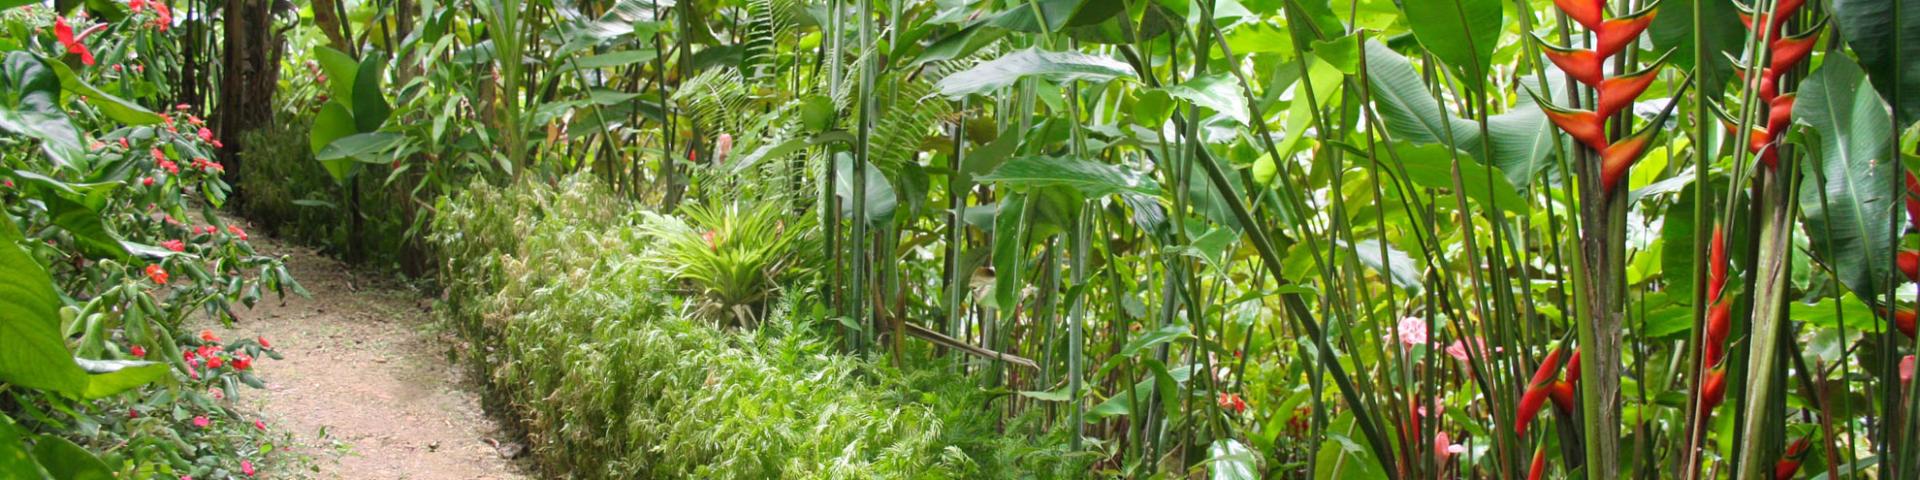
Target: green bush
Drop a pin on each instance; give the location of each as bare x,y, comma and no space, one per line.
568,315
289,193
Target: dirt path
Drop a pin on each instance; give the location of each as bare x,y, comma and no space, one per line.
366,388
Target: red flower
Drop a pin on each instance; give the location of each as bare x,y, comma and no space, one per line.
1232,402
174,245
205,134
214,362
264,344
242,362
246,467
260,425
237,232
138,351
157,274
136,6
207,335
147,181
64,33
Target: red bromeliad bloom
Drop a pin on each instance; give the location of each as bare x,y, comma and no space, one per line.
64,33
1615,94
157,274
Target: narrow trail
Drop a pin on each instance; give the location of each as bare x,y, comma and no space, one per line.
366,389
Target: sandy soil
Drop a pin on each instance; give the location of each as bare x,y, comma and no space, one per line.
366,389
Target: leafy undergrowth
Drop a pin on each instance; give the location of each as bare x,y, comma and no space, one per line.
583,344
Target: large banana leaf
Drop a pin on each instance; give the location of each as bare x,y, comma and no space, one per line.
1462,33
1409,110
1852,185
1054,66
1888,44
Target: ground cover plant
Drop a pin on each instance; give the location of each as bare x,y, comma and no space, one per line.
1024,238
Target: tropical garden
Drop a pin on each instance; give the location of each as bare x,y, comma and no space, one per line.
1227,239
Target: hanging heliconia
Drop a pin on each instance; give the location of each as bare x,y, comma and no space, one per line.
1614,94
1783,54
1719,321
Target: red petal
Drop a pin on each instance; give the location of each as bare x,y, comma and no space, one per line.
1779,115
1789,51
1615,160
1716,265
62,31
1530,404
1584,126
1618,92
1587,12
1539,469
1617,33
1573,367
1711,357
1910,264
1562,395
1713,389
1582,65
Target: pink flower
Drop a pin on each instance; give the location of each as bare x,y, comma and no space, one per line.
201,421
174,245
722,147
216,394
1232,402
1444,448
124,144
64,33
246,467
1413,331
206,135
147,181
236,231
1906,369
260,424
1462,351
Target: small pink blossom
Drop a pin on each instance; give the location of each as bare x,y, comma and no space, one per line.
1413,331
246,467
201,421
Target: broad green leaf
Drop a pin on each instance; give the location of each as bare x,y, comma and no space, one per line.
1461,33
1851,191
110,377
1431,166
1089,178
1396,265
612,59
1673,30
1886,50
332,123
959,44
1219,92
369,103
30,106
1677,257
1523,138
341,69
1059,67
360,147
1232,460
1154,338
1009,243
33,354
76,209
67,461
880,196
15,461
1343,53
1409,110
116,108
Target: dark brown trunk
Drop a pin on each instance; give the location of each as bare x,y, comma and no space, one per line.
250,65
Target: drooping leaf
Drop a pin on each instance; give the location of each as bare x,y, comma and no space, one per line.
33,354
32,108
1673,31
1408,109
341,69
1090,178
1852,190
332,123
1461,33
1396,265
110,377
880,197
369,103
1522,143
1053,66
1219,92
1886,49
1232,460
116,108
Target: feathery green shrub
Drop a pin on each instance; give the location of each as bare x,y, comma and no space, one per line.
572,324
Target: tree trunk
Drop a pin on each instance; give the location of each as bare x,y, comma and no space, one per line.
250,75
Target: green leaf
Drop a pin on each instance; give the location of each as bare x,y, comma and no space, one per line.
1232,460
31,107
332,123
612,59
1673,31
959,44
1886,49
369,104
1852,227
1431,166
1523,139
341,69
116,108
1677,257
110,377
1057,67
1009,242
1396,266
15,460
32,352
880,197
1461,33
1154,338
1219,92
1409,109
361,147
1093,179
67,461
76,209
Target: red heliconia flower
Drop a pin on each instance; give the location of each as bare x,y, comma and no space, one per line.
1909,264
1539,468
1790,461
157,274
1586,12
1913,200
1582,65
1586,127
1780,114
1619,92
1788,52
1616,33
1719,322
174,245
1563,396
1783,11
139,351
1615,160
1713,389
64,33
1573,366
1712,354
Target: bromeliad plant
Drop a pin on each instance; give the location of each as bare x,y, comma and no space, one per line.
736,257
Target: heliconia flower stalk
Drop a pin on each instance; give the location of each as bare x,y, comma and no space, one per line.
1784,53
1789,463
1910,264
1563,396
1713,390
1539,468
1613,36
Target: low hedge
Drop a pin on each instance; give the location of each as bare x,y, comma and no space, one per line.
608,376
